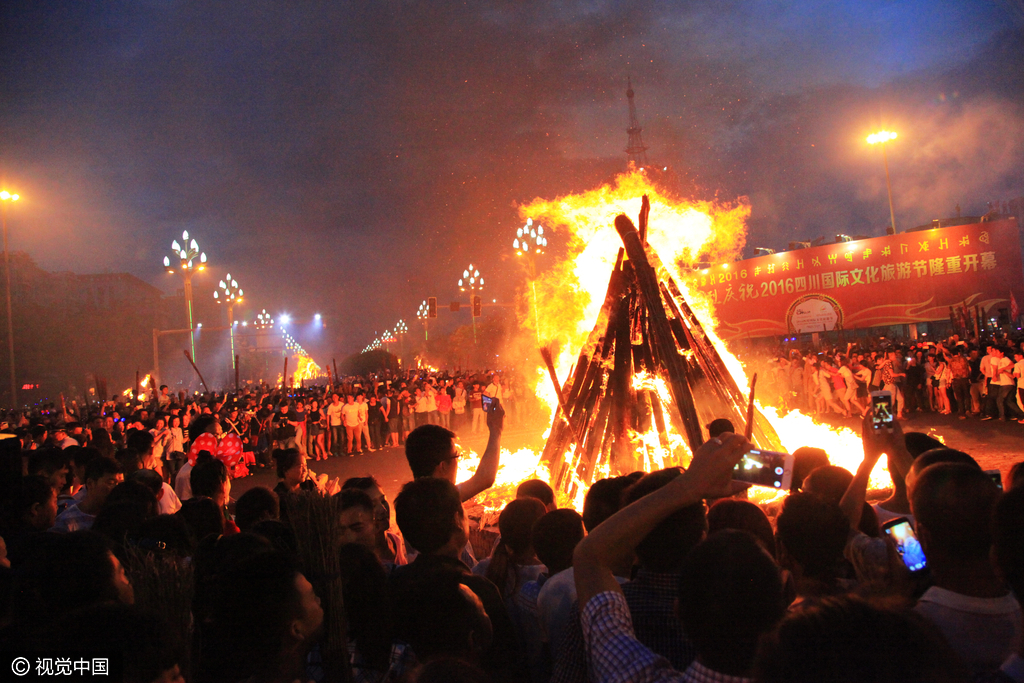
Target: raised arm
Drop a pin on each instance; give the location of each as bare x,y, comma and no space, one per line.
487,470
615,539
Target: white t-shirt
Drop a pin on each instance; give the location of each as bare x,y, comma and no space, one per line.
982,631
334,413
350,415
183,482
494,391
1019,369
1003,380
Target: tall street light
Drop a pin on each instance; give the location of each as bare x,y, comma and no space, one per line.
401,329
530,243
424,314
6,197
229,293
880,138
472,282
185,257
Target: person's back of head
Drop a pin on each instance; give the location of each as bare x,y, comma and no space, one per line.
66,572
429,512
665,547
730,593
202,517
719,427
952,505
742,515
149,649
280,535
167,535
844,639
207,477
140,440
919,442
199,426
829,482
1015,476
1008,539
426,447
47,461
555,536
812,532
148,478
255,505
603,500
805,461
129,459
251,636
536,488
100,467
440,616
515,524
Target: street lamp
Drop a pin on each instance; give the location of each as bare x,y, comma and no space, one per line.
229,293
263,321
185,257
530,243
424,314
880,138
472,282
5,197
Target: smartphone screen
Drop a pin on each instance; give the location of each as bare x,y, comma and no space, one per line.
765,468
486,402
907,545
881,409
995,476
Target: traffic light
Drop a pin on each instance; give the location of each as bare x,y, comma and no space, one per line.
432,307
476,306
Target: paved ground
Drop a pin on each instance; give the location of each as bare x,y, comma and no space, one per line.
995,444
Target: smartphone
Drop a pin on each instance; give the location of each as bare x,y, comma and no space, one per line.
881,410
907,545
996,476
765,468
487,402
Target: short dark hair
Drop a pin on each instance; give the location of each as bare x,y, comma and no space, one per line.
730,593
199,425
805,460
845,639
603,500
202,516
435,617
720,426
361,483
742,515
829,482
285,459
257,503
426,511
207,477
813,532
555,536
665,547
34,489
1008,533
536,488
47,461
942,455
954,503
350,498
919,442
426,447
139,439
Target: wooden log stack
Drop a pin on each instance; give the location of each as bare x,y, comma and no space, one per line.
645,326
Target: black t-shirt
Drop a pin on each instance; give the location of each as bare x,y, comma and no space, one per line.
282,428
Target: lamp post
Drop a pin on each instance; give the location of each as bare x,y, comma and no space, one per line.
401,329
6,197
423,314
880,138
229,293
530,243
472,282
185,257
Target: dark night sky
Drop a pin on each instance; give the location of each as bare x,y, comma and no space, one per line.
353,157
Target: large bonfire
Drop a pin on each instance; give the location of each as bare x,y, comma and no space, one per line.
569,299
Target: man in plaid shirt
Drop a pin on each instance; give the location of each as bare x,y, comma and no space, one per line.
730,590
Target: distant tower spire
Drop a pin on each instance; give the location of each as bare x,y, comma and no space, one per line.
636,150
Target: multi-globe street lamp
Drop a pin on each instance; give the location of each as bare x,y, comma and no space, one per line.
880,138
263,321
6,197
424,314
229,293
472,282
185,258
530,243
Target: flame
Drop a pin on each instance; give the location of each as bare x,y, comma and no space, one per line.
143,385
306,369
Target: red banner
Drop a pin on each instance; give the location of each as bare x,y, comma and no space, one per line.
893,280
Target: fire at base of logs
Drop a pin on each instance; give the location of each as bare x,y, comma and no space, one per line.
647,367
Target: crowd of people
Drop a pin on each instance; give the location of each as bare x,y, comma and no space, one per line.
974,379
110,544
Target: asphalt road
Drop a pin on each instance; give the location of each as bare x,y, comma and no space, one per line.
994,444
